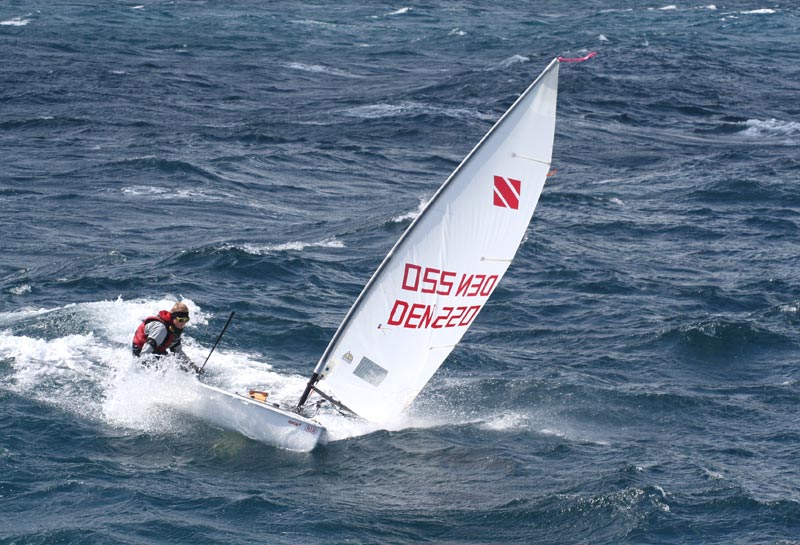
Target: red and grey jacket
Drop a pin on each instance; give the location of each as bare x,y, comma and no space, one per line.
171,340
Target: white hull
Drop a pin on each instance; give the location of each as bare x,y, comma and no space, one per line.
257,420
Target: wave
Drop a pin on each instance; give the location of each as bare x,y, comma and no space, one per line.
669,7
173,193
20,290
297,246
168,166
747,191
761,11
15,21
25,193
412,215
319,69
513,60
44,122
413,109
772,128
720,337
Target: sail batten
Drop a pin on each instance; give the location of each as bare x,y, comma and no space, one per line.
437,278
534,159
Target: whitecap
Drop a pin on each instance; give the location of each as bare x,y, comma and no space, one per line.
716,475
412,214
771,127
171,193
377,111
410,108
21,289
763,11
556,433
514,59
401,11
138,191
313,22
319,69
505,421
16,21
298,246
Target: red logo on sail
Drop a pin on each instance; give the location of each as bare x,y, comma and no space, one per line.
506,192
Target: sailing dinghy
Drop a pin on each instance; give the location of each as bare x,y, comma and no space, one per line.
430,287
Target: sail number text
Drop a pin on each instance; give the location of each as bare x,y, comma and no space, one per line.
446,283
430,280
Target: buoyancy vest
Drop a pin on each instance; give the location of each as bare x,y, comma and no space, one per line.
140,337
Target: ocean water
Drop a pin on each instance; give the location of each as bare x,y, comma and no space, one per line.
633,380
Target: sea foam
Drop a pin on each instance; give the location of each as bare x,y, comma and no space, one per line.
16,21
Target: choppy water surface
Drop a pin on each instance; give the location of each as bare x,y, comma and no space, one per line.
633,380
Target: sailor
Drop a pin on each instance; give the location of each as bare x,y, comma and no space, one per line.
157,335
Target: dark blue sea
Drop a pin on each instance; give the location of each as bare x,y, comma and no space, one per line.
634,379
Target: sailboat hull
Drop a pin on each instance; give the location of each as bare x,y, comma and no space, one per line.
257,420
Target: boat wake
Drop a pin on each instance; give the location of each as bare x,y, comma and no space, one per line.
77,357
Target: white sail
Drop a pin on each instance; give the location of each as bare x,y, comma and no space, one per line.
437,278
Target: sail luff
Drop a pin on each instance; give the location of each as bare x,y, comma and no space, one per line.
321,368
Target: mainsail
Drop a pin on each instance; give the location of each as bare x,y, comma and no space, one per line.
430,288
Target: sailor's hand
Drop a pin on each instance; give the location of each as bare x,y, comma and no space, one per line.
188,365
